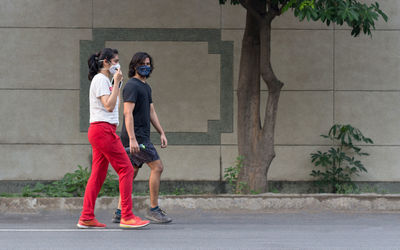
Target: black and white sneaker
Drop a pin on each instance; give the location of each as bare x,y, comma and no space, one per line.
158,216
117,216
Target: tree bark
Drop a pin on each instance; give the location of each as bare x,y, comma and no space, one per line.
256,141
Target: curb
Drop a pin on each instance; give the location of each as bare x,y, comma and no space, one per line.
262,202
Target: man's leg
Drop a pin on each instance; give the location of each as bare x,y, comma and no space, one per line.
156,214
154,182
156,169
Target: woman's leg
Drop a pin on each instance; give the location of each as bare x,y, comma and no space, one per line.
135,172
96,180
119,160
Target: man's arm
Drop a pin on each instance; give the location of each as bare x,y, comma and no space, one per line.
129,125
156,123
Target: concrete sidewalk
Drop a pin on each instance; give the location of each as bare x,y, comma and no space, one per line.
262,202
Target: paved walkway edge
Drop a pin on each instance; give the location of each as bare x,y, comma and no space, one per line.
262,202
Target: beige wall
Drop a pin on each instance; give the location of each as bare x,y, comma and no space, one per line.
329,77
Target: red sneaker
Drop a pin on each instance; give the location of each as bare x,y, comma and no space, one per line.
135,222
94,223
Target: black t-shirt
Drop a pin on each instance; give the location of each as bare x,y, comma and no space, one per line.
139,93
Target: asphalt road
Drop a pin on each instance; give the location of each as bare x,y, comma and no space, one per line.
195,229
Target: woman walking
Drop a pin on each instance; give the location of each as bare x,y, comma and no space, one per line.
107,147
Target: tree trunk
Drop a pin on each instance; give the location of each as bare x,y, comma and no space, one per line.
256,142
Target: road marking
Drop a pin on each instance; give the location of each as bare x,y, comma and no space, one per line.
61,230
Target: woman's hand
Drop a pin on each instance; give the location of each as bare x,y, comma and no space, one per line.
118,77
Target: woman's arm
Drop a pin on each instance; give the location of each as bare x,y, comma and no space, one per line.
109,101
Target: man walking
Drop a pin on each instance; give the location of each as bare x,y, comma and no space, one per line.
139,112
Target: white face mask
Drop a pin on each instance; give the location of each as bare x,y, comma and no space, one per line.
114,68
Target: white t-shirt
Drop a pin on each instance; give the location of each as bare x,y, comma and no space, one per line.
100,86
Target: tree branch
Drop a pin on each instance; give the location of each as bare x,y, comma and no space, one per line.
283,6
270,79
252,11
275,10
266,70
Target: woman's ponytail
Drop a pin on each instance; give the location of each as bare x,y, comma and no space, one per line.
95,61
93,64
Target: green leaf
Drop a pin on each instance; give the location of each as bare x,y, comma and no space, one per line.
339,163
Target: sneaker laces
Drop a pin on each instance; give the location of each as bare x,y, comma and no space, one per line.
162,212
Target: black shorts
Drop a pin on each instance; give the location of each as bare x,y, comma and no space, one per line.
147,154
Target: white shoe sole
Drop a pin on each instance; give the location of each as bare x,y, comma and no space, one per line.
132,226
86,227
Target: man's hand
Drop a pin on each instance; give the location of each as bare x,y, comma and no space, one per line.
134,146
164,142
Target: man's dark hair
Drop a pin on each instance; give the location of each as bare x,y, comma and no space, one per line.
138,60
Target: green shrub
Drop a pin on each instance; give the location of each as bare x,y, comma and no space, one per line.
72,185
339,164
232,176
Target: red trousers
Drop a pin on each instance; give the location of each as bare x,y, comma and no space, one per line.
107,148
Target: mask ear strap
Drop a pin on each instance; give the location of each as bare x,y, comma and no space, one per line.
105,60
